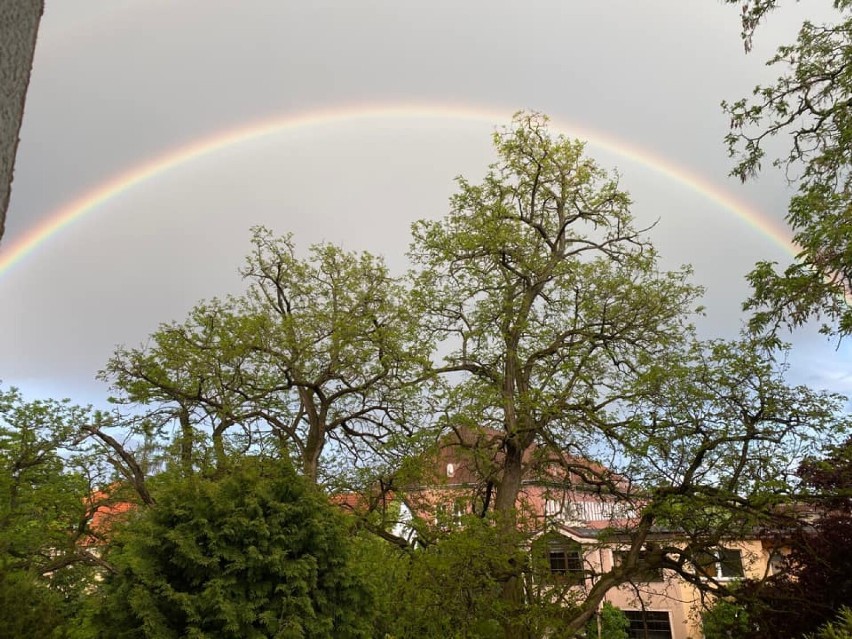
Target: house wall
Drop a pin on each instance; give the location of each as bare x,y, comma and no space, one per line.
681,600
563,506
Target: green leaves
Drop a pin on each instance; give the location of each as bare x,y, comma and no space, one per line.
257,553
542,292
548,304
45,482
317,349
810,101
41,495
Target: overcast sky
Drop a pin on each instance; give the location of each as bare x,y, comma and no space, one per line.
116,84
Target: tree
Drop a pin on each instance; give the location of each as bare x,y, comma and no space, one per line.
45,485
829,479
340,335
30,608
545,291
815,566
547,295
18,29
40,503
610,623
841,628
317,350
567,346
726,619
753,12
712,448
449,588
255,553
811,102
195,376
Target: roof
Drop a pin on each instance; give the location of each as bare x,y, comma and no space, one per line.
104,510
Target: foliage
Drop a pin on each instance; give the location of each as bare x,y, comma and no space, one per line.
452,587
382,569
830,478
45,566
726,619
841,628
566,346
753,12
609,623
256,553
545,297
448,589
815,568
40,504
716,427
315,351
814,582
30,608
810,101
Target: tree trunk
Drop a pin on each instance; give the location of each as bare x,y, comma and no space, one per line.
220,456
313,450
512,593
315,440
19,20
186,441
510,482
125,463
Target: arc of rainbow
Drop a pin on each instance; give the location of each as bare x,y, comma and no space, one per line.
222,140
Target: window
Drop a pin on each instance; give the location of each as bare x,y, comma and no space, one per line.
565,559
459,509
450,515
648,624
643,575
721,563
777,563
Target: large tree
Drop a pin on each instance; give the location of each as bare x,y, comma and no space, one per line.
811,104
547,296
319,349
566,346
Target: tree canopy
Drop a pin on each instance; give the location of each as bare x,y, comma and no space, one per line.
547,298
255,553
45,507
809,103
317,350
568,347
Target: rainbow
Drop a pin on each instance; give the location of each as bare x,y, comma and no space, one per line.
224,140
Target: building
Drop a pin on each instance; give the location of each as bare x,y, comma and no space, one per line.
579,533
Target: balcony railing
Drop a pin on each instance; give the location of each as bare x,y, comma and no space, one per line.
579,512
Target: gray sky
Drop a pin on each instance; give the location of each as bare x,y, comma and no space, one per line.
117,84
